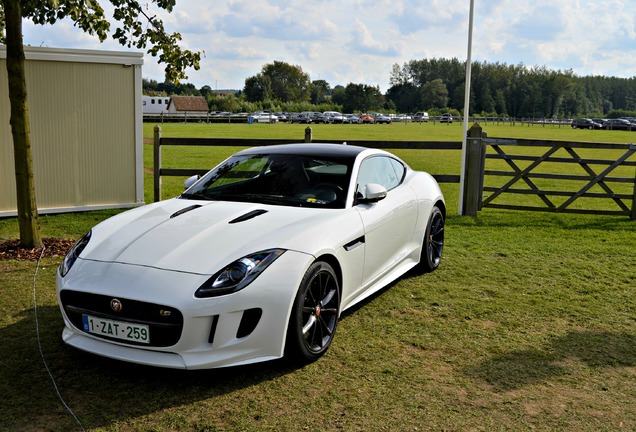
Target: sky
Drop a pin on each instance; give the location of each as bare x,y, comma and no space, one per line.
359,41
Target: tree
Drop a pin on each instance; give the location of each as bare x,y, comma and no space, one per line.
434,94
258,88
362,97
88,16
405,97
280,81
320,90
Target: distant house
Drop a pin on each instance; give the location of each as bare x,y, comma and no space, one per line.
155,104
190,105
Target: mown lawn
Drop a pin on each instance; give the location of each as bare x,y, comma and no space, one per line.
529,324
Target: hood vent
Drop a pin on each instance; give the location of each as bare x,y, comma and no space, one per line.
248,216
184,210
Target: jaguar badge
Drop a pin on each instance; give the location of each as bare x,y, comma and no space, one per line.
116,305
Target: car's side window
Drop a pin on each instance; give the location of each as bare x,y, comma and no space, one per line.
382,170
399,170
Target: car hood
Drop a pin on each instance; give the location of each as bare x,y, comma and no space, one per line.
202,236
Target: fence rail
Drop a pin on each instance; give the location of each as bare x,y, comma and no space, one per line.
159,141
521,180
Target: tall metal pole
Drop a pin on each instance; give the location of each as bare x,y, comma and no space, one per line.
466,108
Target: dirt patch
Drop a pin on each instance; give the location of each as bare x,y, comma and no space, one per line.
12,250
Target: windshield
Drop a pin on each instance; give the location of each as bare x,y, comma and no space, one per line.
280,179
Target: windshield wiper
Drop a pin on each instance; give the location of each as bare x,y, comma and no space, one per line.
251,197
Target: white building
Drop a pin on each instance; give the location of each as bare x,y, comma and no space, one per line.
155,104
86,155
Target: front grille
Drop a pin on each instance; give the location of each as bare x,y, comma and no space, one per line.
165,323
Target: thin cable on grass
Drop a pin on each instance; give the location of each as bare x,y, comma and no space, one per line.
37,334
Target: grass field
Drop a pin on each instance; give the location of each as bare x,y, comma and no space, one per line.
529,324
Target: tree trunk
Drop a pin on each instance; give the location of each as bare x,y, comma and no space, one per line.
21,128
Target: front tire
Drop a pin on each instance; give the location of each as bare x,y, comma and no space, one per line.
433,244
314,316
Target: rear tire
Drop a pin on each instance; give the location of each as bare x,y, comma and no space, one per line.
433,244
314,316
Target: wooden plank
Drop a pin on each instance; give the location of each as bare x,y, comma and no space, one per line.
557,176
446,178
157,164
555,210
558,144
560,193
181,172
557,159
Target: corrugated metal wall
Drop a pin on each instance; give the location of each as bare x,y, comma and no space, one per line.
84,135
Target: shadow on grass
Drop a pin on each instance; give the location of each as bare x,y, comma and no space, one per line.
100,391
520,368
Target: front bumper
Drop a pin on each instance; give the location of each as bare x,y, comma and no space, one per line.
244,327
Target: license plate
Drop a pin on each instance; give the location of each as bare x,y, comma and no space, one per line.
116,329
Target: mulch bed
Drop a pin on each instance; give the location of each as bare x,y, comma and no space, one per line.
53,247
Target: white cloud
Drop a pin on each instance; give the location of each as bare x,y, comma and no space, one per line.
358,40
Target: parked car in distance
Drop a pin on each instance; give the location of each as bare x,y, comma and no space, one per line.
420,116
262,117
351,119
333,117
382,118
319,117
619,124
282,117
367,119
404,118
585,123
303,117
446,118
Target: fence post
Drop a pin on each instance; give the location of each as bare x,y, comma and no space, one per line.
307,134
157,164
474,170
633,215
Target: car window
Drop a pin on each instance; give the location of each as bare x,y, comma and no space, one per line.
280,179
382,170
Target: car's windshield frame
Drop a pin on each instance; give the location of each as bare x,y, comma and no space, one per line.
287,179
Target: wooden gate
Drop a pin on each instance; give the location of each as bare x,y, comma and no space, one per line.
557,176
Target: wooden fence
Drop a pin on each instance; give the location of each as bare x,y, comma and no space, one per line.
594,178
476,169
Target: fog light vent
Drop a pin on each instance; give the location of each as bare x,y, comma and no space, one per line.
215,321
249,321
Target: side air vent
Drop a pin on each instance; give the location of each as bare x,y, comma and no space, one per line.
248,216
184,210
354,244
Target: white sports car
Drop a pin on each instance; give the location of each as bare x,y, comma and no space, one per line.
254,261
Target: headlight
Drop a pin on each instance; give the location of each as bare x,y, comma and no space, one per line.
239,274
72,254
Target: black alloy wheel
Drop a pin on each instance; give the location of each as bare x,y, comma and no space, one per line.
433,244
314,318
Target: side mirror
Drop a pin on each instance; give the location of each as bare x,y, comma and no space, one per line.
372,192
190,181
